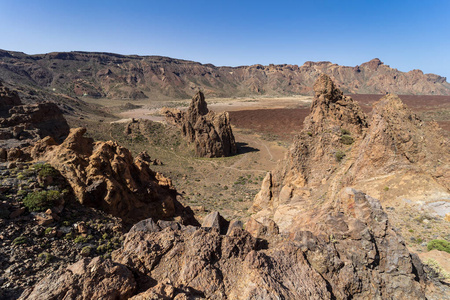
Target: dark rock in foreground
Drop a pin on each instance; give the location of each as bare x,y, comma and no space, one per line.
22,125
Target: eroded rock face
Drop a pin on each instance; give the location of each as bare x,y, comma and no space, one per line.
210,133
87,279
104,175
22,125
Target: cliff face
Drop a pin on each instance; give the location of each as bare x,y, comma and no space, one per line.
136,77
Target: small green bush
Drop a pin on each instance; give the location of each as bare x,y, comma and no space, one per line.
440,245
80,239
86,251
41,201
339,155
48,230
47,257
20,240
347,140
69,236
440,272
45,170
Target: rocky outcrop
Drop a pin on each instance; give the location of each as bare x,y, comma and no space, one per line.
340,146
210,133
22,125
133,77
352,253
104,175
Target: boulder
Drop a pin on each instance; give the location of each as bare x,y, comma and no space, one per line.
216,221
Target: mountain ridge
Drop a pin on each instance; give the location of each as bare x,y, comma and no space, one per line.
115,76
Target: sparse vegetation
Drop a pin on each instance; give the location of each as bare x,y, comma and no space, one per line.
345,131
45,256
440,245
19,240
339,155
45,170
437,269
347,140
41,200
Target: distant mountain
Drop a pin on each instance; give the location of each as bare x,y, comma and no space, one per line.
134,77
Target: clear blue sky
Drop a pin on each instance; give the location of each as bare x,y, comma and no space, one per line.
404,34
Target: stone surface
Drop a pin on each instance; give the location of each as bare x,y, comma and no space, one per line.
210,133
87,279
340,146
216,221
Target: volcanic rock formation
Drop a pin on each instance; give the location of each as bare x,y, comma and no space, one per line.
22,125
210,133
340,147
104,175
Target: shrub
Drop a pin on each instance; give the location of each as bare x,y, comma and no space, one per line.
19,240
86,251
69,236
440,245
80,239
440,273
339,155
48,230
347,140
345,131
41,201
45,170
47,257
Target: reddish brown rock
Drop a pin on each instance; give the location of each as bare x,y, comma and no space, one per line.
210,133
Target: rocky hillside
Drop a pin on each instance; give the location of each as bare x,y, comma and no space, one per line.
135,77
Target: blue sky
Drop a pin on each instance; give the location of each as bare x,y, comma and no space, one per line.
404,34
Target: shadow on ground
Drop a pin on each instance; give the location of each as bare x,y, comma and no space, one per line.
243,148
